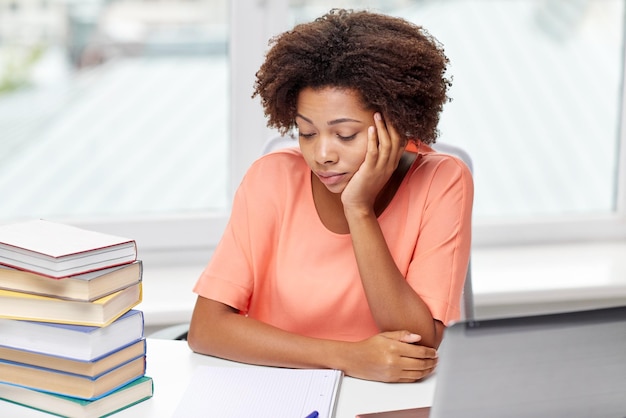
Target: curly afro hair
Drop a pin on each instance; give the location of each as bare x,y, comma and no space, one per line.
397,67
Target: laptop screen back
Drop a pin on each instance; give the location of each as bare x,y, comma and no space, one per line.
561,365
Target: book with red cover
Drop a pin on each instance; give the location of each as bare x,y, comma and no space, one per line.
57,250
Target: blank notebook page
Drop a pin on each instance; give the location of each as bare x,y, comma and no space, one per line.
233,392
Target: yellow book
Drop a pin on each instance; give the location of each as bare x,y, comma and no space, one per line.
100,312
69,384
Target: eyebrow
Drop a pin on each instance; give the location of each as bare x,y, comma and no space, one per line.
332,122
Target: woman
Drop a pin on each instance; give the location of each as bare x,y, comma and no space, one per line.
349,253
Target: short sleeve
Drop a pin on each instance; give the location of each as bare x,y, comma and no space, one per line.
246,245
441,256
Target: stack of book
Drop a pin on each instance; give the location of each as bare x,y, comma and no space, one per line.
71,342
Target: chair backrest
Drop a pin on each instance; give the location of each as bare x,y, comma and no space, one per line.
467,301
279,142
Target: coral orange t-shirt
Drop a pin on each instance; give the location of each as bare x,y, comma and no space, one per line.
278,263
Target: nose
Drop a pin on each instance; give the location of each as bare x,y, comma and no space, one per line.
325,150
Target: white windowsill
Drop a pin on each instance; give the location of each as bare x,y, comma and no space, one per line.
548,278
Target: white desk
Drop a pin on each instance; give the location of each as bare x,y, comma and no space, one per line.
171,364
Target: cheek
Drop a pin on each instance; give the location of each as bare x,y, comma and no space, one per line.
360,159
358,151
307,152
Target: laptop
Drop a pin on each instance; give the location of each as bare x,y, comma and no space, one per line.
569,364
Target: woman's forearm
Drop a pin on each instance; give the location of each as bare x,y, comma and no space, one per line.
394,304
218,330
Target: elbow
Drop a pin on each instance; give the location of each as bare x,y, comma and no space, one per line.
197,335
192,340
198,338
205,315
437,336
431,336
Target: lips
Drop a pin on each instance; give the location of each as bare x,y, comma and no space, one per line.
330,178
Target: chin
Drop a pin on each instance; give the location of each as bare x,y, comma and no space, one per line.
336,188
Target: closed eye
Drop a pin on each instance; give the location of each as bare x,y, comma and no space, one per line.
305,135
346,138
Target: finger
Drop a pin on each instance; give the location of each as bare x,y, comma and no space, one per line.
384,141
413,351
397,144
401,335
425,352
416,366
410,338
390,143
416,369
418,363
372,144
397,141
409,376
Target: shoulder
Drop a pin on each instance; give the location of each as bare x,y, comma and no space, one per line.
441,164
277,163
439,173
275,171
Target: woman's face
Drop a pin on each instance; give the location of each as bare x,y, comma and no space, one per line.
332,126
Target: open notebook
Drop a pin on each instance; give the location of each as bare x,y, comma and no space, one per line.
233,392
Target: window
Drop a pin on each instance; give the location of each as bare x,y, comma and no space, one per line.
536,100
116,115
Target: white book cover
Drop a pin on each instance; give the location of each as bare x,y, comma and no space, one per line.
59,250
75,342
